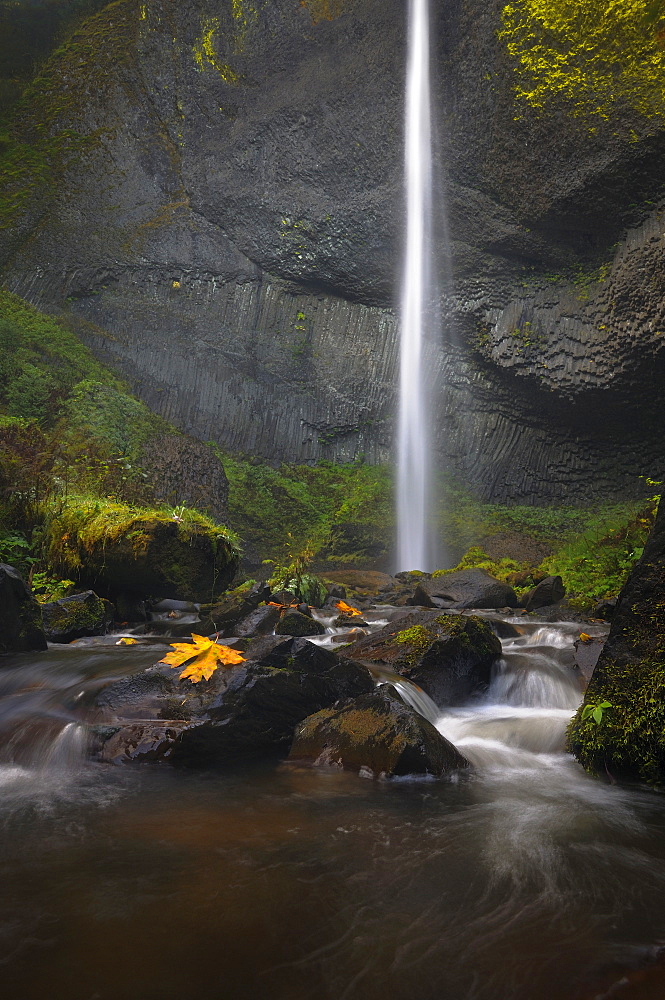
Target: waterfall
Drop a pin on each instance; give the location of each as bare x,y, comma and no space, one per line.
413,466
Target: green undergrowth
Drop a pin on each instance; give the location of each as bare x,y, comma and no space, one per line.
595,564
475,558
279,512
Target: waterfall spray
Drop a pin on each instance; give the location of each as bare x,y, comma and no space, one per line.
413,467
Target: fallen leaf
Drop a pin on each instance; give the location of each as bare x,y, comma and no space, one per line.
205,655
346,609
126,641
585,638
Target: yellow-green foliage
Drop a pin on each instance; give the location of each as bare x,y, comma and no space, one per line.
76,527
588,55
205,52
475,558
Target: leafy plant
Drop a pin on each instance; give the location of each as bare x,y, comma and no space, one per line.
595,711
203,656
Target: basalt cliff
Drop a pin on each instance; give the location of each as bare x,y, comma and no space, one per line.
211,191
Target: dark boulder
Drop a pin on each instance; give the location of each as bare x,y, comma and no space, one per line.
605,609
587,653
376,734
246,711
629,741
295,623
549,591
20,614
77,616
449,656
261,621
349,621
224,615
465,588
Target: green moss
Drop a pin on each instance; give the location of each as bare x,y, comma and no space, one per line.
48,128
281,511
475,558
630,739
595,564
590,57
418,639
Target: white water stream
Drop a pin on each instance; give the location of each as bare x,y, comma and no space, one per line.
413,466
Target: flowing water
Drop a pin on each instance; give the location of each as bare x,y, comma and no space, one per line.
413,467
523,880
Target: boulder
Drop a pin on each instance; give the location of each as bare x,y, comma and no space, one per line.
20,614
587,653
549,591
605,609
77,616
295,623
261,621
349,621
629,742
377,735
116,548
465,588
224,615
449,656
245,711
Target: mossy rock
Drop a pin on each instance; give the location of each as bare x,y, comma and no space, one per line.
629,739
376,734
450,656
294,623
77,616
118,548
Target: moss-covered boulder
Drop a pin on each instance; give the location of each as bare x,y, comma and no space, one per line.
449,656
295,623
20,614
629,739
376,734
76,617
119,548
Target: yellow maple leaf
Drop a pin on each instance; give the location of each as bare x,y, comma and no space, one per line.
126,641
205,655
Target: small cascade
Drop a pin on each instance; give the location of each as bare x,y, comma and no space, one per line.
530,701
413,465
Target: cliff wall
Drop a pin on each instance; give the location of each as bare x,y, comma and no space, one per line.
212,191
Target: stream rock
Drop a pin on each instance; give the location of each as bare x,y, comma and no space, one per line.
449,656
465,588
77,616
295,623
549,591
246,711
376,735
20,614
629,742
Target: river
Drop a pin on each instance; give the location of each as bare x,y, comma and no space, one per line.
524,880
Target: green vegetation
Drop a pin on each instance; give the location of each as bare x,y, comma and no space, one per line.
475,558
71,482
588,57
280,512
595,564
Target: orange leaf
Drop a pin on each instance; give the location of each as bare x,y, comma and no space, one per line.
346,609
205,655
584,637
126,641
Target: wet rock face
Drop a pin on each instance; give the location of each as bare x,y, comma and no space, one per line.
449,656
376,735
247,711
20,614
243,279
